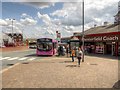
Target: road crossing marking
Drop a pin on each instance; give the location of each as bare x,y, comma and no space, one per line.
31,59
13,58
4,58
17,58
23,58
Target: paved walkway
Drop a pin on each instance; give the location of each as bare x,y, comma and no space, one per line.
60,72
104,56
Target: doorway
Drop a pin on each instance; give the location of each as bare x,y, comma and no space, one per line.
108,49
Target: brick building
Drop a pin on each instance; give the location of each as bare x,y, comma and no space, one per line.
17,39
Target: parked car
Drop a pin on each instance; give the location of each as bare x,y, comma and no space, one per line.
32,45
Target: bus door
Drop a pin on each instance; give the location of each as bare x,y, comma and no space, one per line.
54,47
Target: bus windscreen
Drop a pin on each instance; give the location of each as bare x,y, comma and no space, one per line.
44,40
44,46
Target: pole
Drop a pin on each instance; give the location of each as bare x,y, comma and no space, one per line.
83,29
22,37
12,31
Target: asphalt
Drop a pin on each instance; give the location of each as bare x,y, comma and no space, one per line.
14,56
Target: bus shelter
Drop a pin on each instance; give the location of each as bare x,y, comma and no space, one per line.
74,43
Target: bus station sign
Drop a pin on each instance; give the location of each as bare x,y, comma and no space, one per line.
103,38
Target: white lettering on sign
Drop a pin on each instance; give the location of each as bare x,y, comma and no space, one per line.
97,38
89,39
105,38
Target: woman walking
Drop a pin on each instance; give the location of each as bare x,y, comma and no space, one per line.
79,55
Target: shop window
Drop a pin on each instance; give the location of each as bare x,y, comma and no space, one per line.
99,48
119,49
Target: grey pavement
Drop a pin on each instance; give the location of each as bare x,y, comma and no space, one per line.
60,72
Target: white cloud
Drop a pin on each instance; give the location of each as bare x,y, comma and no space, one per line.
7,26
28,21
43,1
45,18
69,28
18,24
68,19
25,15
40,5
66,10
70,14
36,3
96,11
60,13
3,23
14,27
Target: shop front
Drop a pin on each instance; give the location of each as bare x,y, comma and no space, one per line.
119,48
105,43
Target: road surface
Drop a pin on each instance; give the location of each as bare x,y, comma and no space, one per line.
11,58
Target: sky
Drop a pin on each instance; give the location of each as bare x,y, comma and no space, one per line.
43,19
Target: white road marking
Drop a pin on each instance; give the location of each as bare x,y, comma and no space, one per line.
17,58
18,51
6,69
13,58
31,59
4,58
23,58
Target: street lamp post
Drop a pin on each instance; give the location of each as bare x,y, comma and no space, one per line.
83,30
22,37
12,28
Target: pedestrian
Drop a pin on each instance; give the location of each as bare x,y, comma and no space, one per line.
58,50
86,50
73,54
79,55
76,51
61,50
67,50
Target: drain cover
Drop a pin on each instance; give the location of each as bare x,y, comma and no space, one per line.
25,63
61,62
10,64
93,64
71,66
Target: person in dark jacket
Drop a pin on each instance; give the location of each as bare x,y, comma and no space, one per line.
67,50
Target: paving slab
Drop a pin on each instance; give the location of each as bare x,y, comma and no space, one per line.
60,72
